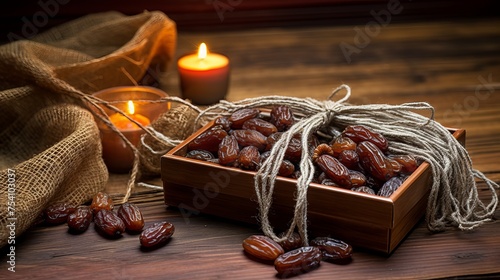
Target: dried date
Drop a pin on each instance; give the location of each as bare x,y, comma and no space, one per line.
57,213
358,179
335,170
156,235
287,168
249,158
329,182
332,249
292,242
262,247
131,216
297,261
408,163
260,125
200,155
208,140
108,223
322,149
341,143
390,186
293,151
374,161
360,133
363,189
282,117
239,117
223,122
79,221
247,137
228,150
101,200
349,158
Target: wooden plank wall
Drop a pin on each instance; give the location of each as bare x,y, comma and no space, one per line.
24,19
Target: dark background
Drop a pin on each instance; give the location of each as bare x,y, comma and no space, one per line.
24,19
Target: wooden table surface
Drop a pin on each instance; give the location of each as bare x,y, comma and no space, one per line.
453,65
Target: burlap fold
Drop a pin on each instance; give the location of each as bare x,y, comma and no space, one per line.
49,142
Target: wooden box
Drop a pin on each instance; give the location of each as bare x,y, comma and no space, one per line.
365,221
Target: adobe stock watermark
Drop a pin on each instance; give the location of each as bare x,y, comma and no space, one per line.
363,37
40,19
470,103
11,219
201,198
222,6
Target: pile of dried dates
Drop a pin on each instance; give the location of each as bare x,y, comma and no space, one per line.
290,258
109,223
354,158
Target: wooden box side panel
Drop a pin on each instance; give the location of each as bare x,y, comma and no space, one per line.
212,178
407,223
192,201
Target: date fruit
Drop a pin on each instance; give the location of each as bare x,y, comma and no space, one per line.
363,189
374,161
228,150
332,249
131,216
358,179
224,122
249,158
360,133
260,125
80,219
238,118
57,213
390,186
293,151
262,247
335,170
200,155
293,242
101,200
157,234
297,261
322,149
282,117
287,168
408,163
108,223
247,137
349,158
208,140
341,143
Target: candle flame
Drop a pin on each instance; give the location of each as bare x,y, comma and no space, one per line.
131,108
202,51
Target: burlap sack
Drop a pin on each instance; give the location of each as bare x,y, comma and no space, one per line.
49,143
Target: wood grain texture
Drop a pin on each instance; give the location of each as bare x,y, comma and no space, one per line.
26,18
453,65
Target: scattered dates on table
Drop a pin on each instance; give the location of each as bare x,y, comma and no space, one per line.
108,222
291,258
354,157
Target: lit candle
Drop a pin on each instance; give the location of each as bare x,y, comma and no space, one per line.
123,123
117,155
204,77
